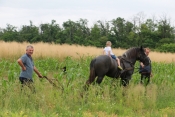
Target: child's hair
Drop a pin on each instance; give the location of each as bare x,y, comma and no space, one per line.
108,43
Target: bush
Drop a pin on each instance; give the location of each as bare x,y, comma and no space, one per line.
167,48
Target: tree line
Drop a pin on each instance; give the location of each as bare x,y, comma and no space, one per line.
158,35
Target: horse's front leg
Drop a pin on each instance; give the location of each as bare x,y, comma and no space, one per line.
125,80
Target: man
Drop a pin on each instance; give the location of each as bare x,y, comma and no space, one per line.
27,68
145,71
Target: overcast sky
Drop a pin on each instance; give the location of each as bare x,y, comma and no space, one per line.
20,12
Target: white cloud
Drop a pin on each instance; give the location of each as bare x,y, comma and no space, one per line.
20,12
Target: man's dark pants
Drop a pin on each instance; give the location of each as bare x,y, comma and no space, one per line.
27,82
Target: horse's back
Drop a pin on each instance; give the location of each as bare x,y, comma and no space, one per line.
102,60
104,64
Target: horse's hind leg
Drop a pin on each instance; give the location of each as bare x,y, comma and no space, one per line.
92,77
99,79
90,80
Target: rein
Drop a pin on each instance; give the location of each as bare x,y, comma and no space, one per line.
124,57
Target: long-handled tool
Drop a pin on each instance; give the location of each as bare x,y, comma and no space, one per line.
50,80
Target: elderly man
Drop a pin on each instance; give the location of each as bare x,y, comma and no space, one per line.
27,67
145,71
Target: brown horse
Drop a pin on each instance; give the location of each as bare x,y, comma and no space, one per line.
105,65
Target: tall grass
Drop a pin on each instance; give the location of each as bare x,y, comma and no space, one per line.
44,50
108,99
104,100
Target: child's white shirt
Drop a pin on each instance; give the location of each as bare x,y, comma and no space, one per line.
108,49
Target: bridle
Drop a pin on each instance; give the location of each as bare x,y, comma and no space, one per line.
124,58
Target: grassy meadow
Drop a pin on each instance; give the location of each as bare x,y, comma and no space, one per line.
69,99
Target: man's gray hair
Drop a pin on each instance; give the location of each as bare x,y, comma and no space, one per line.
29,46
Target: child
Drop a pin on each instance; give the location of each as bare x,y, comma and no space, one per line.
108,51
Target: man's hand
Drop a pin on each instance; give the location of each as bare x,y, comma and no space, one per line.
37,72
142,64
40,76
24,68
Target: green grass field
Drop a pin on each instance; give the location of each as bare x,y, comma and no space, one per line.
69,99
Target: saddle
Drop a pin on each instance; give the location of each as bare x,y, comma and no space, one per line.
122,61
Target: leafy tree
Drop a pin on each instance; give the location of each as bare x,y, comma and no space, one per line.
82,32
132,39
95,36
50,32
165,33
29,33
69,31
120,29
138,20
10,33
104,28
164,28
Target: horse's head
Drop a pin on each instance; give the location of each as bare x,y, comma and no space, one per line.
142,57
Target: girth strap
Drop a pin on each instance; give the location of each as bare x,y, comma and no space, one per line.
121,72
122,59
127,69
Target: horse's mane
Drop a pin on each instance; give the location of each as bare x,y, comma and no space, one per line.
130,52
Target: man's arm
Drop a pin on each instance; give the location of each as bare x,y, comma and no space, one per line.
37,72
21,64
141,64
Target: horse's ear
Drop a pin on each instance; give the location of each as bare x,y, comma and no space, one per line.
141,47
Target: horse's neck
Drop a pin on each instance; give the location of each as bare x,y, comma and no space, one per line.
133,61
130,58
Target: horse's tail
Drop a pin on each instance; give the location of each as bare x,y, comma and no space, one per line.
92,73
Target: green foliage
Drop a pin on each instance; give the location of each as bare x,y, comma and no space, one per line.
107,99
9,34
167,48
148,43
121,33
